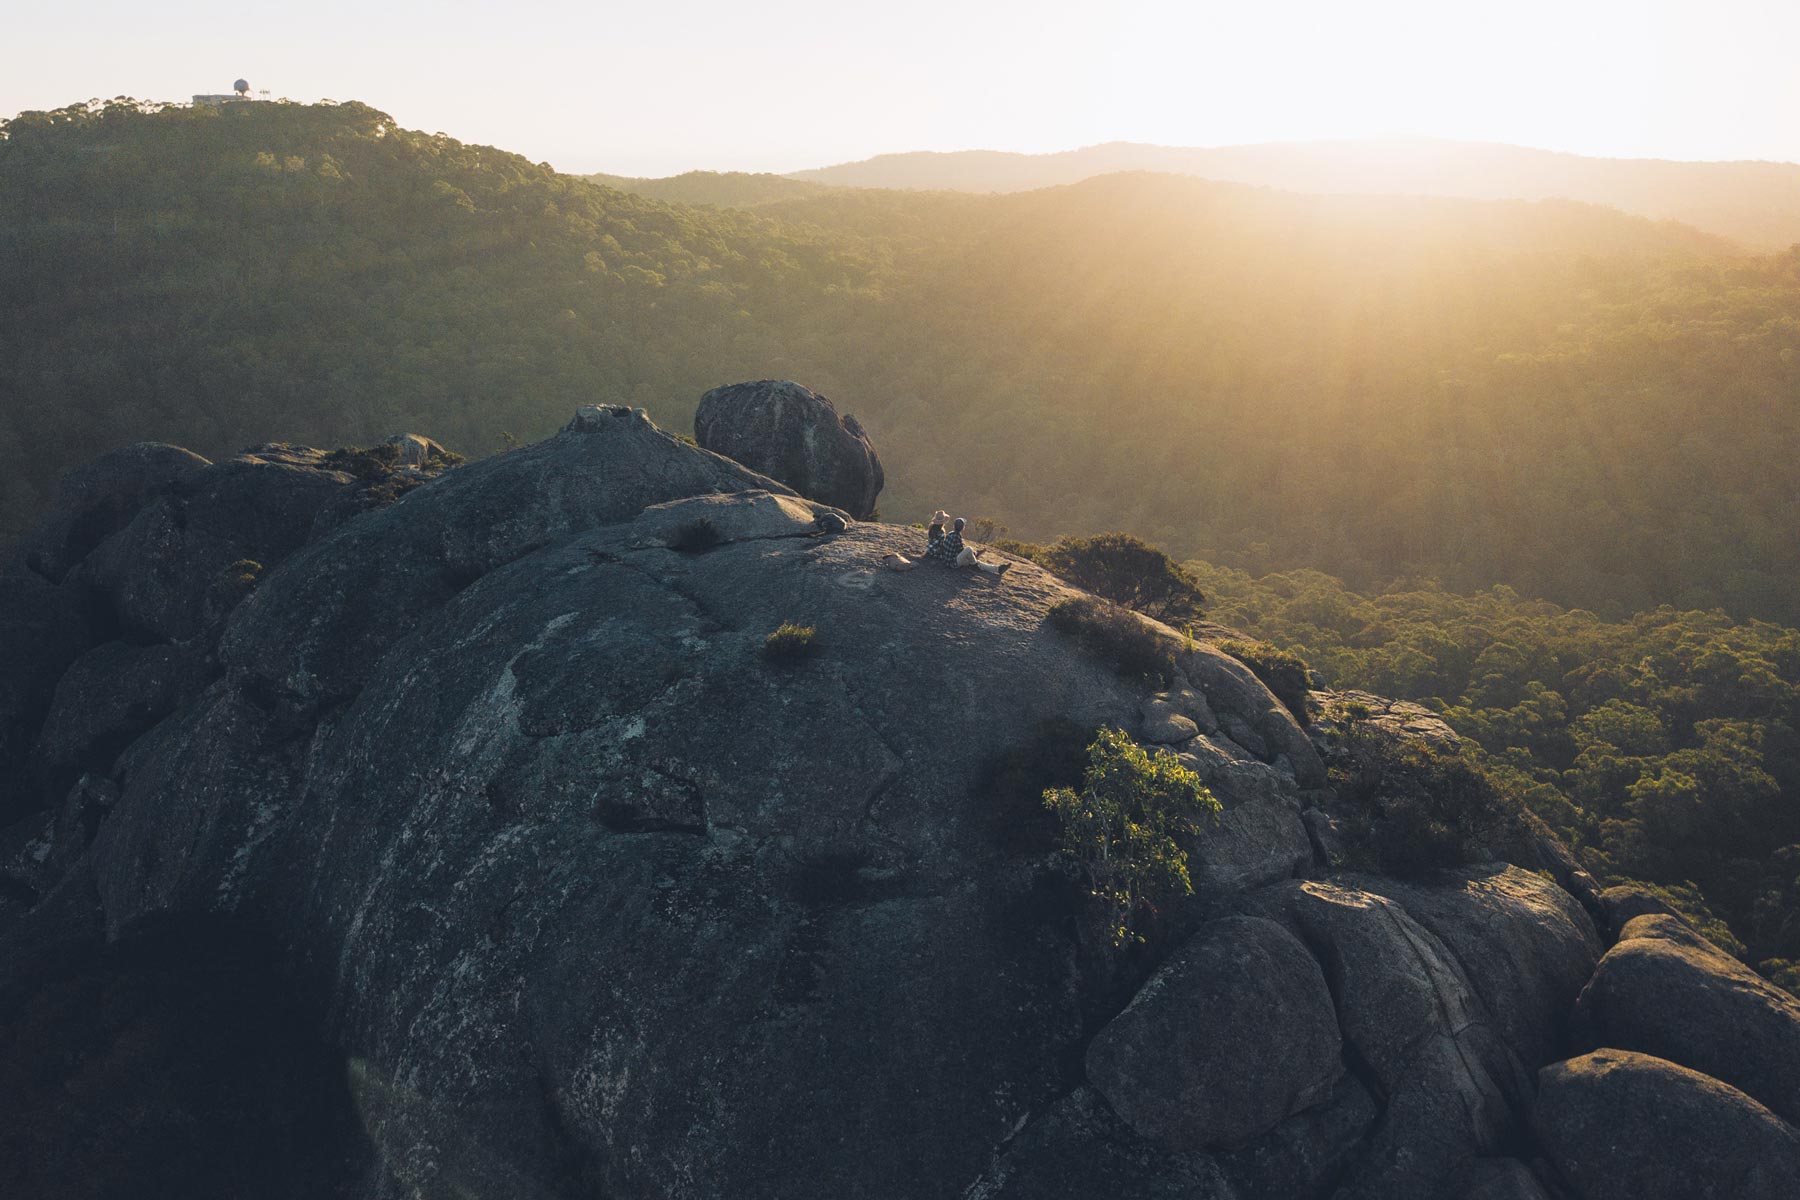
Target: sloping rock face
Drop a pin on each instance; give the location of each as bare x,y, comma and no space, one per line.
111,606
793,434
488,792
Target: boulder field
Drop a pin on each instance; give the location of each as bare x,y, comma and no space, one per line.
406,830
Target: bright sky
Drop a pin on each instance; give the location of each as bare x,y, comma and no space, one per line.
652,87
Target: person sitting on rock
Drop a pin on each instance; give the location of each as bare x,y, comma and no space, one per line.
947,549
933,536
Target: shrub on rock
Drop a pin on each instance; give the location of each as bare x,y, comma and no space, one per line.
1284,672
1115,635
791,644
1126,824
1410,808
1126,570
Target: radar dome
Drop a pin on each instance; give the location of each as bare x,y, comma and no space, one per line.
241,86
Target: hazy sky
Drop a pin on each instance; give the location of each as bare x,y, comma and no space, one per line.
651,87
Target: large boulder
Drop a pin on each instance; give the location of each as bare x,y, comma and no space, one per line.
591,890
97,500
1625,1126
1621,902
1417,1030
1665,990
699,523
791,433
105,700
492,780
1258,836
1400,719
348,597
159,572
43,630
1243,702
1234,1034
1526,945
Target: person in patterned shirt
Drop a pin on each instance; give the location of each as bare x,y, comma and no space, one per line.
946,549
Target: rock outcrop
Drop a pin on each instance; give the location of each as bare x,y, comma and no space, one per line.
44,631
480,784
1235,1034
1667,991
111,606
791,433
97,500
1626,1126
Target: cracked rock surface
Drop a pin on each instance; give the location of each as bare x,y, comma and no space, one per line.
489,799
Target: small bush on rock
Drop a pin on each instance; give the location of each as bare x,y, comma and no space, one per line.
1409,808
1688,900
695,537
1126,570
1281,671
1125,827
1115,635
791,644
363,462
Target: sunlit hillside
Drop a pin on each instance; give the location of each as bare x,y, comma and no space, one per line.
1583,404
1757,203
727,189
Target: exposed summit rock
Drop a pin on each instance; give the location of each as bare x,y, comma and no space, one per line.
481,785
793,434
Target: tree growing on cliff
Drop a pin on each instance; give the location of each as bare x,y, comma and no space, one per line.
1126,826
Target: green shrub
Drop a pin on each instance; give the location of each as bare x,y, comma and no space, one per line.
1116,635
244,573
695,537
1410,808
791,644
1126,570
363,462
1125,827
1030,551
1686,899
1281,671
230,586
1782,972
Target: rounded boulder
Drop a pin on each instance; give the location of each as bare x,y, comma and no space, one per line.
1234,1034
793,434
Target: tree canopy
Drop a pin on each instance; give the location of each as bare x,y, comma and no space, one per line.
1579,404
1664,747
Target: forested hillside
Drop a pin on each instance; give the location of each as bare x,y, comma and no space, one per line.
1583,405
216,276
1663,747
